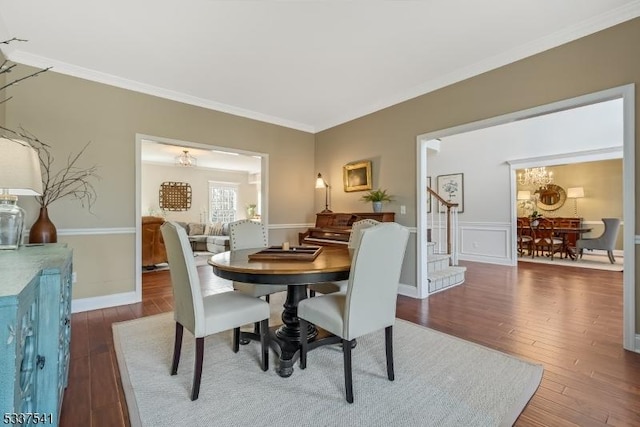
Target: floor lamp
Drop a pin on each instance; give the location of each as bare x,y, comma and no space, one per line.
321,183
575,193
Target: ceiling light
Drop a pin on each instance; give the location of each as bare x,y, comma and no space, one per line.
536,177
186,159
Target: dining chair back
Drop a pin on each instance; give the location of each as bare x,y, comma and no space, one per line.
354,241
249,234
203,316
369,303
356,233
524,236
544,237
187,294
606,241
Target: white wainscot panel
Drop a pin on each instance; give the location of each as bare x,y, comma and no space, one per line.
486,242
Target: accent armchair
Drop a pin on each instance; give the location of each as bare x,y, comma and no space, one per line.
606,241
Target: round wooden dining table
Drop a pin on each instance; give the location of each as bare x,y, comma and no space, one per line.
331,264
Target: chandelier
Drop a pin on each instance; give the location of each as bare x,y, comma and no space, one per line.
186,159
538,177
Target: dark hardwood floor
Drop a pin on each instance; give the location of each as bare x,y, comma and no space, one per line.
568,319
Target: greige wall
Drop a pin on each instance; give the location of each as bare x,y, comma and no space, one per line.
388,137
67,112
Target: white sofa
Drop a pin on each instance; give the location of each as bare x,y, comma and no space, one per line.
212,238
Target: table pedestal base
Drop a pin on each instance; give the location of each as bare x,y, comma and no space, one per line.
284,340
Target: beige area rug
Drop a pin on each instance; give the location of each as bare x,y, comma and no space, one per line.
440,381
597,262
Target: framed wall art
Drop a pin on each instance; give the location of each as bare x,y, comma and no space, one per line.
357,176
175,196
451,188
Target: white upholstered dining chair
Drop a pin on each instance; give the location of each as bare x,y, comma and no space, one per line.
204,316
248,234
369,304
354,241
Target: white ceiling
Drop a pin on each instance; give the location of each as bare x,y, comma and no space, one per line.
308,65
163,153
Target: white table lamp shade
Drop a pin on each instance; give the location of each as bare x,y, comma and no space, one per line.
575,193
19,175
524,195
19,168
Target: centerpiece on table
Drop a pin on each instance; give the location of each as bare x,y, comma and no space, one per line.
534,217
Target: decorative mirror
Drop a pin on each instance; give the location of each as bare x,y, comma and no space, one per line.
550,197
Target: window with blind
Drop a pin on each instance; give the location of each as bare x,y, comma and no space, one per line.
222,202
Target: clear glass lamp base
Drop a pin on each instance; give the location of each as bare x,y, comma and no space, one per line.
11,222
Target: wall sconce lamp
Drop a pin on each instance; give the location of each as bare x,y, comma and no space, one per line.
575,193
321,183
19,175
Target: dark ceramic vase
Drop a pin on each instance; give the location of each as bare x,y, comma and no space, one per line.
43,230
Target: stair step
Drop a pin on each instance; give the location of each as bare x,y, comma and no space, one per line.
437,262
446,278
430,248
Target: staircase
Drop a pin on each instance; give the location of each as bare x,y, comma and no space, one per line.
443,271
440,274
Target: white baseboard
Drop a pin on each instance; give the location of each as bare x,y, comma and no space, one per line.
636,347
409,291
95,303
485,259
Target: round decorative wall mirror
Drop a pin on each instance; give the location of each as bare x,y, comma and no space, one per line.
551,197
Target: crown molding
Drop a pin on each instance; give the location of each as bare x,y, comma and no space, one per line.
582,29
38,61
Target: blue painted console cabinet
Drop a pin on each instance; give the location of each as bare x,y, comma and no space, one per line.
35,331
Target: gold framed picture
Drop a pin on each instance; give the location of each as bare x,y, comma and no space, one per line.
357,176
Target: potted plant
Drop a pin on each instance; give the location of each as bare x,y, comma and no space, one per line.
534,218
376,197
251,210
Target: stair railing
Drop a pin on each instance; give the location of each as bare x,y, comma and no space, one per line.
444,220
